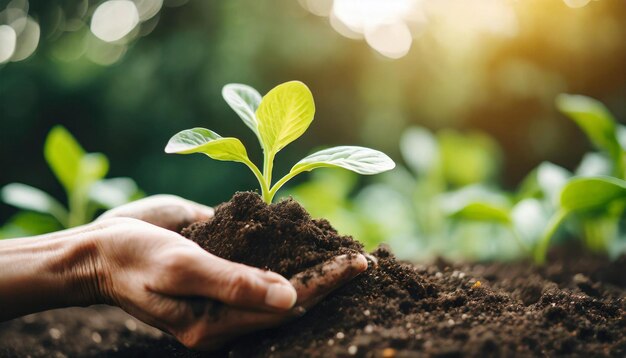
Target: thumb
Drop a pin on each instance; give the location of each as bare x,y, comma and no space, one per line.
191,271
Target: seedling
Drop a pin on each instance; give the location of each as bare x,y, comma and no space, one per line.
82,176
277,119
595,199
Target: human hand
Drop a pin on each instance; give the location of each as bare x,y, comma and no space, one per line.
171,283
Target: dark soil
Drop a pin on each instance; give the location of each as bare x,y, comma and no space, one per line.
574,306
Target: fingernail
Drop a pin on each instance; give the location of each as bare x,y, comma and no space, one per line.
280,296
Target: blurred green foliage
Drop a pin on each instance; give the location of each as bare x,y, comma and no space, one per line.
81,174
450,204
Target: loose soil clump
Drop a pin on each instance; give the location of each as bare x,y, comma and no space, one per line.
575,305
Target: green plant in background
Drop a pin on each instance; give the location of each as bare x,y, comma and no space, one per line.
595,196
407,208
277,119
82,176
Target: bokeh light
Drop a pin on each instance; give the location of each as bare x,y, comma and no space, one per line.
114,19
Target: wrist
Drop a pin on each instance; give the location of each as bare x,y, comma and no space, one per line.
51,271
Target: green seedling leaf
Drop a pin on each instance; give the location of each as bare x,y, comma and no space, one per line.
419,149
589,193
201,140
284,114
483,212
29,198
360,160
64,155
244,100
594,119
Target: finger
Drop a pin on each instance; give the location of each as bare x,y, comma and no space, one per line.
167,211
191,271
314,284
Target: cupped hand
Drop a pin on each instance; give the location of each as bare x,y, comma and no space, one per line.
204,301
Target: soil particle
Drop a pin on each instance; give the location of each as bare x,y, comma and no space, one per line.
573,306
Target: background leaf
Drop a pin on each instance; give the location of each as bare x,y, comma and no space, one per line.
594,119
483,212
92,167
64,155
201,140
357,159
284,114
113,192
29,198
244,100
591,193
420,150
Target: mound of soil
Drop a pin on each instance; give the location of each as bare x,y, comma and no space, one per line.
575,305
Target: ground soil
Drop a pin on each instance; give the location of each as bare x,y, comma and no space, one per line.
573,306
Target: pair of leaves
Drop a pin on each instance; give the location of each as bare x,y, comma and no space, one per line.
277,119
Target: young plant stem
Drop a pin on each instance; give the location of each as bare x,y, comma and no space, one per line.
259,176
541,250
268,165
77,207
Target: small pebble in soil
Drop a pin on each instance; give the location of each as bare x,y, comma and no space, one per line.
366,312
439,275
96,337
464,316
55,333
389,353
352,350
450,322
331,342
369,328
340,335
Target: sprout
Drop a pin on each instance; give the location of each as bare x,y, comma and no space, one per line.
277,119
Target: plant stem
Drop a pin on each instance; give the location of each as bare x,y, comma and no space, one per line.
542,248
264,187
268,164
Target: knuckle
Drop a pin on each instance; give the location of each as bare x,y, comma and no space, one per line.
238,286
199,338
176,261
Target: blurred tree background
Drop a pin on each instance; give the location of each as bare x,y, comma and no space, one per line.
491,65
